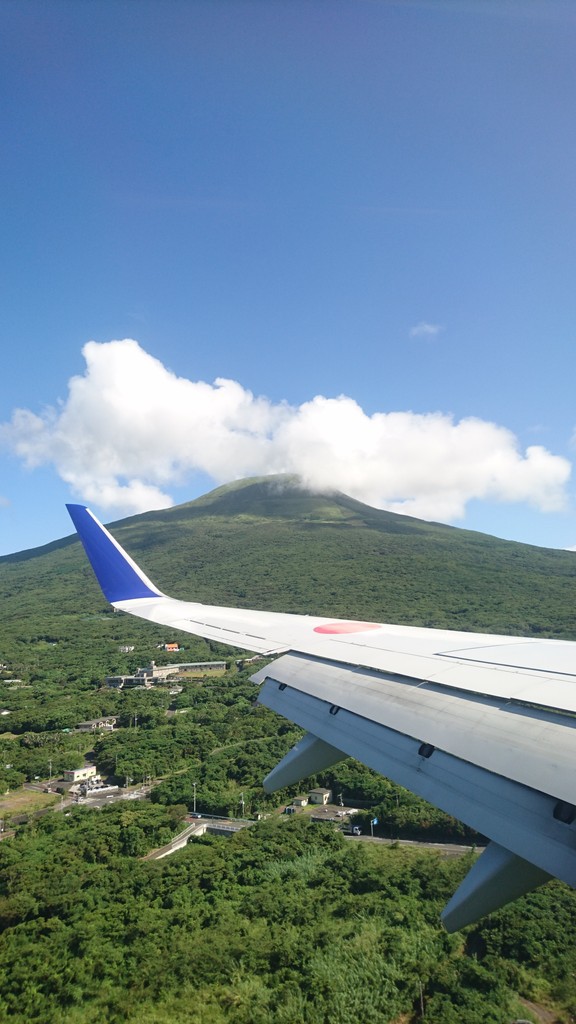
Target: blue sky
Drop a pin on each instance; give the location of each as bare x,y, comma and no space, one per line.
334,237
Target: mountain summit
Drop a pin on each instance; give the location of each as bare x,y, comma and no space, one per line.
285,496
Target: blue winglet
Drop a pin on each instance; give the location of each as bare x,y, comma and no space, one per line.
118,575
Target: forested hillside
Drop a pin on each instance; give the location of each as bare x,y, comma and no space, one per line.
287,921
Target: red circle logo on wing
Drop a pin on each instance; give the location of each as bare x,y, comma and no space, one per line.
346,627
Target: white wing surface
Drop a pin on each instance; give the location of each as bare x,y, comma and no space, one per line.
480,725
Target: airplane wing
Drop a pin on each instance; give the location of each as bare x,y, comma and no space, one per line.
480,725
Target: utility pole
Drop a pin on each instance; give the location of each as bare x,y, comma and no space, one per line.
194,785
50,774
242,803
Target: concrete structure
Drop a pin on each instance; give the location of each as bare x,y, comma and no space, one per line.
104,724
80,774
183,669
129,682
214,826
152,672
99,790
320,796
300,801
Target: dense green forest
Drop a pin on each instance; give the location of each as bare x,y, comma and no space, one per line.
286,921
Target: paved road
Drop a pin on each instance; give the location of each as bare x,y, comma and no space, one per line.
542,1013
448,849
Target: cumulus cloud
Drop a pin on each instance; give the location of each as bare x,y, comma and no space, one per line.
130,430
425,330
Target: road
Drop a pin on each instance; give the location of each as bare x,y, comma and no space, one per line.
198,827
447,849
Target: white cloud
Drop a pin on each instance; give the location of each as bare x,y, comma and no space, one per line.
426,330
130,430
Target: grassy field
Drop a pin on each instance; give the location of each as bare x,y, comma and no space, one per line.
25,801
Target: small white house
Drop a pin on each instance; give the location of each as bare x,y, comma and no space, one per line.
80,774
320,796
98,724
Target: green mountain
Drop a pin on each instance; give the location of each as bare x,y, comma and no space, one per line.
269,543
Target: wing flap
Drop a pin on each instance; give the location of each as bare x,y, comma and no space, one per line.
529,745
519,819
